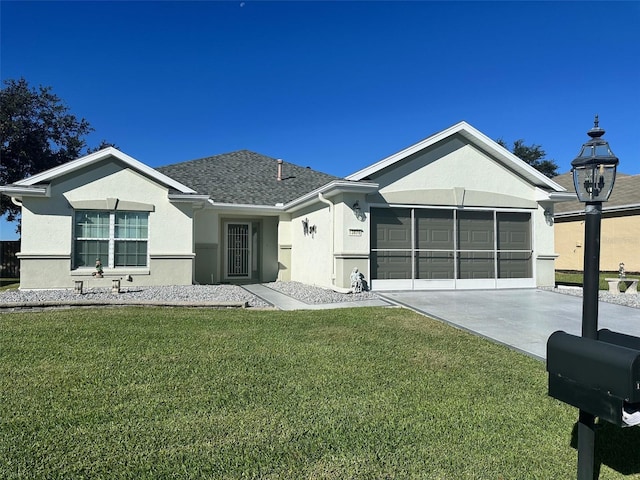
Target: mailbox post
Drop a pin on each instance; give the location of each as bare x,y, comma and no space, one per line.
594,173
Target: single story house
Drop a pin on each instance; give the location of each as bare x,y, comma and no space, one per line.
620,229
454,211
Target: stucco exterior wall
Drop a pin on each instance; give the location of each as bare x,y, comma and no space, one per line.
618,243
340,243
312,254
284,248
207,246
453,163
269,249
352,239
544,253
47,228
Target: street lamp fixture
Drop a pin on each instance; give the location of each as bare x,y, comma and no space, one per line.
594,173
594,169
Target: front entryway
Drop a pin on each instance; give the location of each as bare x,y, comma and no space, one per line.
240,243
447,248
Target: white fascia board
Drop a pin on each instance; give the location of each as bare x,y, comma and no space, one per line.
20,191
475,136
187,197
555,197
246,209
329,190
562,196
198,201
70,167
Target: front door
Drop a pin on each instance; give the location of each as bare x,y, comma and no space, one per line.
238,251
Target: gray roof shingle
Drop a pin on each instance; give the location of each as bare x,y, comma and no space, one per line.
626,192
246,178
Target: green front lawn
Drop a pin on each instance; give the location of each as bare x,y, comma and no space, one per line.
351,393
9,283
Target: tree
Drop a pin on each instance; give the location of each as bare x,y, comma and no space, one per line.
534,156
37,133
101,146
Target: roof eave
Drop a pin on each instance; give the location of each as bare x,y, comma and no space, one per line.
194,199
557,197
248,209
329,190
475,136
74,165
186,197
18,191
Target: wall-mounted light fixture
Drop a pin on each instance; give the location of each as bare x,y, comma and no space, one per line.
548,216
357,211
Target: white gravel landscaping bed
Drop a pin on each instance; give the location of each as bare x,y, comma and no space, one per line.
204,295
626,299
316,295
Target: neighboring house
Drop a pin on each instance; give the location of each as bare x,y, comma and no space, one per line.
455,210
620,228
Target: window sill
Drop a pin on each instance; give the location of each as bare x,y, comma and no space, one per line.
110,272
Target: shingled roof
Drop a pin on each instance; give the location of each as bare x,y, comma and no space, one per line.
246,178
625,195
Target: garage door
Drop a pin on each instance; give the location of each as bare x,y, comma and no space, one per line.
415,248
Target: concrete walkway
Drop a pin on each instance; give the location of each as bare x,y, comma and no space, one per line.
520,319
285,302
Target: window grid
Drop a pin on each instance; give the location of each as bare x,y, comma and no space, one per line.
118,239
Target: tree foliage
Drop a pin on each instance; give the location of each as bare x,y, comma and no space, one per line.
37,132
533,155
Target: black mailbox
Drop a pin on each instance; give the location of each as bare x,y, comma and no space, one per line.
600,377
622,339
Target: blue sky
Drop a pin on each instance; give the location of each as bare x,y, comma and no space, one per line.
332,85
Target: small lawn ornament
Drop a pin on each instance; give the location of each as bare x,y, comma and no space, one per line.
99,271
356,281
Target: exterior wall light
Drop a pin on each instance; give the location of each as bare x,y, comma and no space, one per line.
357,211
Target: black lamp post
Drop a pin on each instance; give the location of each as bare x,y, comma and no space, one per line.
594,173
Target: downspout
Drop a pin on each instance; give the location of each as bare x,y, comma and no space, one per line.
333,238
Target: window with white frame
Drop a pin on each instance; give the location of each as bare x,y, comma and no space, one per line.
118,239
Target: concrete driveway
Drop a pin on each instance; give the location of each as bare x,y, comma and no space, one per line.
521,319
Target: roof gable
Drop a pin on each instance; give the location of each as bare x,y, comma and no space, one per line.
496,151
246,178
102,155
